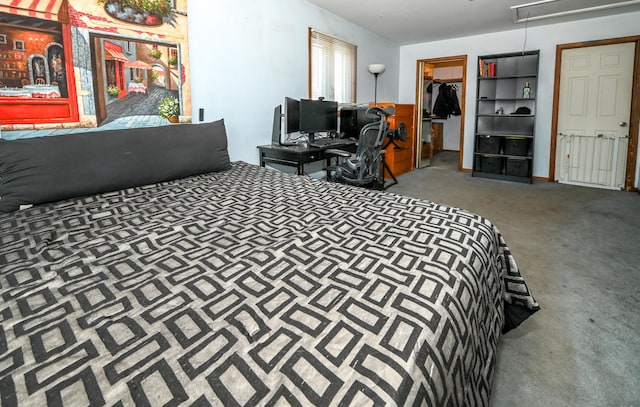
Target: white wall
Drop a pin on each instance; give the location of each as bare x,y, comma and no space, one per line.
247,55
544,38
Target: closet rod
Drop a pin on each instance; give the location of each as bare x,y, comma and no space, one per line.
447,80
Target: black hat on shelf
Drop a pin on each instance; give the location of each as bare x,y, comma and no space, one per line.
522,110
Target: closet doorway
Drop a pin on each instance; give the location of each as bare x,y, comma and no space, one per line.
435,134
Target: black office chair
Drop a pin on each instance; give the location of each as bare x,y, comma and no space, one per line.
364,168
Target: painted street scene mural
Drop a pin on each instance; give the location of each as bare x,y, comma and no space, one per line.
77,65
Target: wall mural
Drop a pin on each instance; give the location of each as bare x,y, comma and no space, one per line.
92,64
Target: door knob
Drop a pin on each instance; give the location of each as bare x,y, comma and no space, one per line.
623,124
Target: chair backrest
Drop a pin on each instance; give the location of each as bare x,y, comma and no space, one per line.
370,142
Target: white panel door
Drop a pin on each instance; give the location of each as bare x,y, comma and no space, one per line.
593,115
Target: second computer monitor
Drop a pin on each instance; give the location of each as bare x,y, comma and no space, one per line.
318,116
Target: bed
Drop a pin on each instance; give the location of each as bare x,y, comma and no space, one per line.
248,286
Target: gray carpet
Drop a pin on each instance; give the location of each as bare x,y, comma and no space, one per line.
579,250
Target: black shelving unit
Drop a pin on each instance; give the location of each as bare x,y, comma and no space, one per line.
505,116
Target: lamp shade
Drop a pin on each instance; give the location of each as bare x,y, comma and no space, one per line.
376,68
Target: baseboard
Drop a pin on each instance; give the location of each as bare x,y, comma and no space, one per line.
541,179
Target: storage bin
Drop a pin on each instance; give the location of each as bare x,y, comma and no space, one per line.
518,167
516,146
491,164
489,144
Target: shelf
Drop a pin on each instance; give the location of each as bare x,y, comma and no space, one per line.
506,115
484,99
517,157
483,78
505,177
505,134
504,143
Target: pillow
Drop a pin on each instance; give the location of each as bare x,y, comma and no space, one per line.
46,169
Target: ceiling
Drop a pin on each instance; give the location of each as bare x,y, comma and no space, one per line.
415,21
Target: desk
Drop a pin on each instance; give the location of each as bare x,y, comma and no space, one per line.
299,155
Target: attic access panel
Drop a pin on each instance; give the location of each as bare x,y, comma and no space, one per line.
539,10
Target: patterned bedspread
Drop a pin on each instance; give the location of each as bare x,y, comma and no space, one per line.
252,287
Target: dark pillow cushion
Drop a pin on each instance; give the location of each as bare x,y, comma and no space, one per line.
47,169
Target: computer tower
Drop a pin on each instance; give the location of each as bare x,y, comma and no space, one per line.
353,119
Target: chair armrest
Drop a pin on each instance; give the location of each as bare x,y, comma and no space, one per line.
337,153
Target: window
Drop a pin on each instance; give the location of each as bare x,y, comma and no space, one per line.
332,68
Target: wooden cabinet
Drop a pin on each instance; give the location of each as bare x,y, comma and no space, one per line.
437,134
400,156
505,116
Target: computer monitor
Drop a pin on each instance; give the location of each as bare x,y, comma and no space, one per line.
286,120
318,116
291,115
353,119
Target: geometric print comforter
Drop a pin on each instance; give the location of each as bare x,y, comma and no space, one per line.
252,287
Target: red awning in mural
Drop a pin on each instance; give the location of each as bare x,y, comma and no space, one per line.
113,52
45,9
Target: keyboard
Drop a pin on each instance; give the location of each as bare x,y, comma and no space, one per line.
324,142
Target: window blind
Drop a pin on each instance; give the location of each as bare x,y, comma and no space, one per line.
332,64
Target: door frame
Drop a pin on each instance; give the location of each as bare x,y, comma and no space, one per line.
634,121
461,59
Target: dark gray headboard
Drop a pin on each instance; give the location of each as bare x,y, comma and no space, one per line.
46,169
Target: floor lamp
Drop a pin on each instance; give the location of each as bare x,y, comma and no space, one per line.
376,69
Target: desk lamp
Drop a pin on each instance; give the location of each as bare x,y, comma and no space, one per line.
376,69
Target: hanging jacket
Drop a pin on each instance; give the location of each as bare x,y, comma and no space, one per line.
453,101
441,106
447,102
